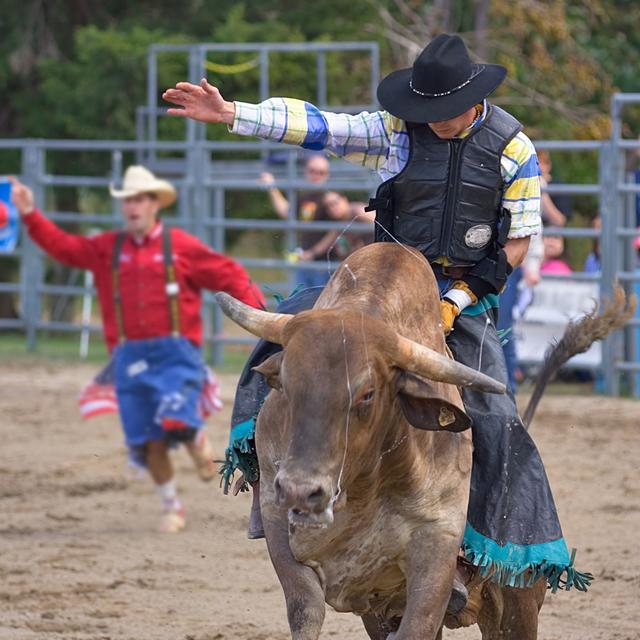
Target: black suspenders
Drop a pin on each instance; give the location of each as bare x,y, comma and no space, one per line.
171,283
115,283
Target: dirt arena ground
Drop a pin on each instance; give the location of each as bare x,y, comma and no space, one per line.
80,558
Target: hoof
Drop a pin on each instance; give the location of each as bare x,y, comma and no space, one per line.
255,530
458,599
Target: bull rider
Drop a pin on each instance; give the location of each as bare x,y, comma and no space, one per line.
460,184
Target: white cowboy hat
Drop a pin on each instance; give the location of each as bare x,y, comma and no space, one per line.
138,179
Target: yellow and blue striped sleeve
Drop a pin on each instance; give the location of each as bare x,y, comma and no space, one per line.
363,139
521,196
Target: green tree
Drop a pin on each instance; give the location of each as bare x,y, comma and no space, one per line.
95,94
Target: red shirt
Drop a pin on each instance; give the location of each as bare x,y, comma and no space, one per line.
145,306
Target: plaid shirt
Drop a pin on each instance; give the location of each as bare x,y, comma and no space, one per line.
380,142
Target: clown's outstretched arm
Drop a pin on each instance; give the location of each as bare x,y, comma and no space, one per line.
362,139
68,248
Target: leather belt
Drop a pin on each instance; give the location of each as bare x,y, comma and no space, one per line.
449,271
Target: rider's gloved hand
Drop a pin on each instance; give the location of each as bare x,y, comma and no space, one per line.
448,313
453,302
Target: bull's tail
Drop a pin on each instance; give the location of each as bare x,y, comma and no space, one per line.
577,338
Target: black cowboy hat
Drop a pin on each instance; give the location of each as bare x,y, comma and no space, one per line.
442,84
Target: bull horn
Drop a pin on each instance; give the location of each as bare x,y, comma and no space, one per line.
432,365
261,323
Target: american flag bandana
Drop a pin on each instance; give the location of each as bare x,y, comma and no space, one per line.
98,397
210,400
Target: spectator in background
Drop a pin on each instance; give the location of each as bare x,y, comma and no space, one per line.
592,262
518,290
552,215
554,261
516,294
339,208
313,245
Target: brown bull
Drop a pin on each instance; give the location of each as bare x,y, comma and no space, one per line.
360,508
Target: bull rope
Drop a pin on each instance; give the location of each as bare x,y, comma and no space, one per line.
334,499
346,228
366,350
484,333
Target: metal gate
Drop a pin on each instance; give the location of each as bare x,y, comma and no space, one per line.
204,182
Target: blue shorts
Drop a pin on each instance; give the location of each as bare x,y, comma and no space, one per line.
158,383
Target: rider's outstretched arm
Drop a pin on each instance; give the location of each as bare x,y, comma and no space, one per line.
362,139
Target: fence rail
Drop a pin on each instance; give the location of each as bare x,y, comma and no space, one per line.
211,219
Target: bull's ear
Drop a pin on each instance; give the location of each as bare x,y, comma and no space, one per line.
424,408
270,369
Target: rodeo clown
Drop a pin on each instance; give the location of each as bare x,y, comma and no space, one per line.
461,185
149,280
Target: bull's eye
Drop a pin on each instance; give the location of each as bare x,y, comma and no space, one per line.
364,404
367,397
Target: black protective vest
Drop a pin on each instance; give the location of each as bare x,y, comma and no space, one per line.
447,201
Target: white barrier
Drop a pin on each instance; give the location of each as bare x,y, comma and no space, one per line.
555,302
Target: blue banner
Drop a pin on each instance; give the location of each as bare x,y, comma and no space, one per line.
9,219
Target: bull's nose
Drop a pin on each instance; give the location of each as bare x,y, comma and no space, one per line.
302,495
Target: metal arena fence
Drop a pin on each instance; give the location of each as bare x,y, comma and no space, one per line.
206,179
